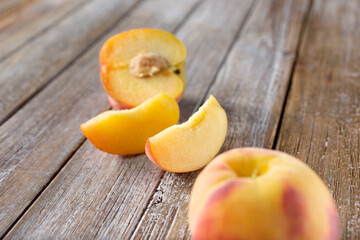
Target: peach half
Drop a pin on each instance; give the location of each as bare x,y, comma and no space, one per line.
138,64
253,193
191,145
125,132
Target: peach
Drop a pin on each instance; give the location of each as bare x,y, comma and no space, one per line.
126,131
252,193
193,144
141,63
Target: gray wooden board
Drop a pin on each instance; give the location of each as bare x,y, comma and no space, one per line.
251,86
147,174
244,57
31,21
9,6
28,70
321,123
39,138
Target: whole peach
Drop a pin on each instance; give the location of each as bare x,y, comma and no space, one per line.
253,193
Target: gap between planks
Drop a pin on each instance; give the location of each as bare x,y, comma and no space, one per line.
237,36
79,5
233,30
42,86
321,119
163,172
17,4
283,92
301,37
76,148
91,44
202,99
43,189
198,104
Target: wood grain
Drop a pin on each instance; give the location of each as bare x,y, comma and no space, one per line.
251,86
54,186
29,70
321,123
124,204
10,6
32,151
208,48
30,22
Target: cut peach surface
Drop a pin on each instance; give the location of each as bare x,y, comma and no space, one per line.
140,63
191,145
126,131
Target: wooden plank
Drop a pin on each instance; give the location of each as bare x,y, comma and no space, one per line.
116,205
321,123
17,145
208,48
251,86
27,23
29,70
32,151
10,6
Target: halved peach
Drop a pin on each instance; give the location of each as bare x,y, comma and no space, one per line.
191,145
141,63
126,131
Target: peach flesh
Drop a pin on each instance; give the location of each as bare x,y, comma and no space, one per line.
191,145
125,73
125,132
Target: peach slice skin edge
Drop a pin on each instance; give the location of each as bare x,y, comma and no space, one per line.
175,148
125,132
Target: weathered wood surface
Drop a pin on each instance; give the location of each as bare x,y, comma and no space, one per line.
31,21
141,171
251,86
55,185
25,143
10,6
36,64
33,151
321,123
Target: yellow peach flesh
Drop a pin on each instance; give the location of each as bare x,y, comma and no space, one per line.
191,145
121,48
129,89
132,91
126,131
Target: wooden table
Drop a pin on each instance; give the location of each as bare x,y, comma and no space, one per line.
287,73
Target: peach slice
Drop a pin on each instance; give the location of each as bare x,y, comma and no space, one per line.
125,132
191,145
141,63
